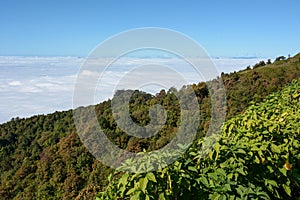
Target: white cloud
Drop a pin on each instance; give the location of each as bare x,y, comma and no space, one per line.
89,73
36,85
15,83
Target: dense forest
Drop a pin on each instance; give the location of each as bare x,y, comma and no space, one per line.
257,156
42,157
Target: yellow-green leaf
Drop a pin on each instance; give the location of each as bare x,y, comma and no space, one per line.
143,184
151,177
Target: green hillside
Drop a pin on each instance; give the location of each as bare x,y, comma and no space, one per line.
257,156
43,158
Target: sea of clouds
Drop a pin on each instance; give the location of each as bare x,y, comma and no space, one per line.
40,85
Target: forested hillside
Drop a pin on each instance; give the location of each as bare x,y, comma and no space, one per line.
43,158
257,156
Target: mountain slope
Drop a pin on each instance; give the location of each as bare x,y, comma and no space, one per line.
42,157
256,156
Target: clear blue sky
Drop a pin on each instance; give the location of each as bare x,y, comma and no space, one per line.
224,28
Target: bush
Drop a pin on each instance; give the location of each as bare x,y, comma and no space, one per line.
257,156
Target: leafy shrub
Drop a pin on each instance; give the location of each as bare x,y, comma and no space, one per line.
257,156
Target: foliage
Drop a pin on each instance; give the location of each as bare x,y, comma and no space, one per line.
280,58
257,156
43,158
260,64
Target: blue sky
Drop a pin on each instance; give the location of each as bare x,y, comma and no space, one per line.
224,28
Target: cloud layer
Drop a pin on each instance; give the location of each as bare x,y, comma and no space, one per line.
41,85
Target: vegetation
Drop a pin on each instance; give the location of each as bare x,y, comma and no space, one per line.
43,158
256,157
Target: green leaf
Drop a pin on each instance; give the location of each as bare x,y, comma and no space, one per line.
192,168
275,148
213,176
151,177
230,176
295,95
193,153
132,190
239,190
271,128
217,149
215,196
221,171
204,181
271,182
255,148
136,196
143,184
241,171
123,180
210,154
161,196
223,165
242,151
109,178
283,171
147,197
270,169
256,160
287,189
227,187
